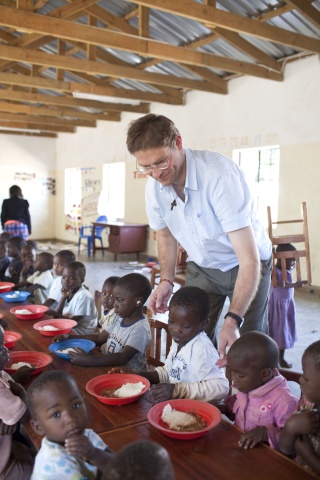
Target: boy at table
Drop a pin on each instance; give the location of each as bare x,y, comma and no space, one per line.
15,266
60,260
28,257
4,259
76,301
40,281
123,341
190,369
68,450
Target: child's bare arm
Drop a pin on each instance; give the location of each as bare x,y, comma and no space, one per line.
97,338
153,377
22,284
251,438
86,360
301,423
49,302
33,287
305,450
80,446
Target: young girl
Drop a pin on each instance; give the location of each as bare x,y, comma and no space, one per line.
76,301
300,436
16,460
4,259
263,401
126,338
69,450
281,309
108,301
190,369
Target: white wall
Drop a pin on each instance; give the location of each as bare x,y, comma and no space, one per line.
22,158
256,112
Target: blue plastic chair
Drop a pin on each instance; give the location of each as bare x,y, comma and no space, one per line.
88,236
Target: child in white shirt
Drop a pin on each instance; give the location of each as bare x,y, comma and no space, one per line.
108,301
76,301
190,370
60,260
40,281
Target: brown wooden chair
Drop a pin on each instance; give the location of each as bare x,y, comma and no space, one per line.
180,274
160,343
303,252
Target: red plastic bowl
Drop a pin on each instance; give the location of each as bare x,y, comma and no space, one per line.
116,380
6,286
37,311
64,325
10,338
210,414
37,359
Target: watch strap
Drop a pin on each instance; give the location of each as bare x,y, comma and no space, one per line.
235,317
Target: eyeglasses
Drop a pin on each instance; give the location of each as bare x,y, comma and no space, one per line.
159,166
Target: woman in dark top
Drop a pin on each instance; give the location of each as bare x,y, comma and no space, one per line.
15,216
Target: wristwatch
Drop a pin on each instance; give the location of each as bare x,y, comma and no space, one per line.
235,317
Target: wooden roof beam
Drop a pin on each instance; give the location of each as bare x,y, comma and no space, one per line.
10,117
37,126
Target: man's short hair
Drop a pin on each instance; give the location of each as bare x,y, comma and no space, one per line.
151,131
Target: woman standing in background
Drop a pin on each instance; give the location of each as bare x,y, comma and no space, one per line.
15,216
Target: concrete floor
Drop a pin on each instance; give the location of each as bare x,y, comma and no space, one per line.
307,303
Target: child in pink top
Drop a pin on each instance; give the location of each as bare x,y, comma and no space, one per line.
263,401
16,461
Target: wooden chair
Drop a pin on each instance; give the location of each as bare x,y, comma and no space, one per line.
159,338
180,274
300,253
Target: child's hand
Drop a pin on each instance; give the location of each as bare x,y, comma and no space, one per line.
7,429
121,370
22,375
303,423
80,357
221,406
60,338
17,390
79,446
162,392
253,437
12,271
303,447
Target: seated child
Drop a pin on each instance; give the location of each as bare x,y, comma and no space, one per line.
190,370
140,460
126,338
60,260
28,257
263,401
300,437
76,301
68,450
4,259
108,301
40,282
5,236
14,268
16,460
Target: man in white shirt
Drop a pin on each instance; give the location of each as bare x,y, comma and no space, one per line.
201,200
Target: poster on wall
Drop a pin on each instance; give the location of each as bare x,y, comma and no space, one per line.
73,220
90,206
44,185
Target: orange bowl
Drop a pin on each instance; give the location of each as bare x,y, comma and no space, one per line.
37,311
210,414
36,359
6,286
10,338
63,325
116,380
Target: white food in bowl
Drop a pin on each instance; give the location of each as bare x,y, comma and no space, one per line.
23,311
49,328
67,350
16,366
129,389
176,419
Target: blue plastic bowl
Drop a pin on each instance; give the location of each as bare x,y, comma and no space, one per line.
21,298
86,345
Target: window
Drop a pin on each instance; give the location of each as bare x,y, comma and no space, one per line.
112,197
261,168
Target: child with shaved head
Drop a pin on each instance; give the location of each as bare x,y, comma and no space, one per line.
263,401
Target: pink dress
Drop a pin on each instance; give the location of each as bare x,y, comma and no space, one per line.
282,314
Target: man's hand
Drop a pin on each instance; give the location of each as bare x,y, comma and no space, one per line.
158,302
253,437
228,335
162,392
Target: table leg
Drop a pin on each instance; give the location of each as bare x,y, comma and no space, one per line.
93,240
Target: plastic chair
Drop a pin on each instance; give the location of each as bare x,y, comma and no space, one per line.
88,236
